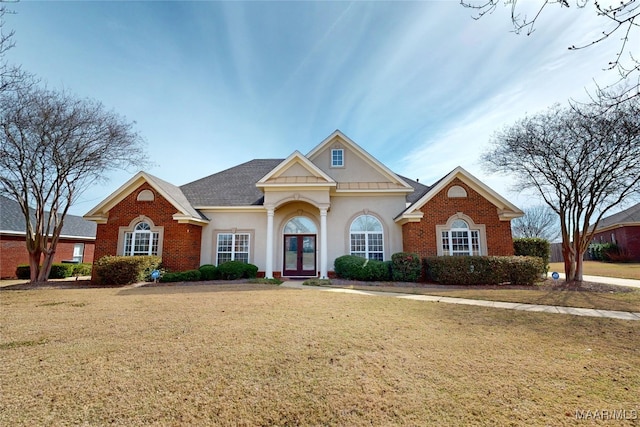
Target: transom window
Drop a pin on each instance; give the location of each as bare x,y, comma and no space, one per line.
459,240
300,225
337,157
141,241
233,247
366,237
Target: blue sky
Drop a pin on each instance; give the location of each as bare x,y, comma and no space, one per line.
420,85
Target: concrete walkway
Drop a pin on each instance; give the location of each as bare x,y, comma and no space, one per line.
590,312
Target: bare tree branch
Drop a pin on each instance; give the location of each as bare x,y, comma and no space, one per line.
622,19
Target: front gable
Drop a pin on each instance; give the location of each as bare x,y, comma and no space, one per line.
296,170
505,210
359,171
185,213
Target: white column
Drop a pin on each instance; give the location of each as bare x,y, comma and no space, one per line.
323,243
268,271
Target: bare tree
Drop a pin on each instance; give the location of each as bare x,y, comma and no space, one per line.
538,221
583,161
621,19
52,147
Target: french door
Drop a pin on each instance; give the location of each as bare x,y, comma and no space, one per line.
299,255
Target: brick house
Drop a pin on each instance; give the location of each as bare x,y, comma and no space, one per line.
295,216
623,229
76,241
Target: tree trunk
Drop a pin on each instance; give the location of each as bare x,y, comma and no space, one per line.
34,266
569,257
46,267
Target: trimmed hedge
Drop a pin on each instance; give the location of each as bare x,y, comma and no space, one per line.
182,276
406,267
533,246
58,271
209,272
83,269
124,270
353,267
484,270
232,270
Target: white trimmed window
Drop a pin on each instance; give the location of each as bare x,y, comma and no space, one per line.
337,158
460,240
233,247
141,241
366,237
78,252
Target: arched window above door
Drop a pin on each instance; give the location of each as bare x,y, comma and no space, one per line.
300,225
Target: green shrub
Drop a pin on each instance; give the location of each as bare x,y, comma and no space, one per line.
478,270
353,267
533,246
61,271
406,267
181,276
83,269
124,270
23,272
232,270
58,271
525,270
606,252
209,272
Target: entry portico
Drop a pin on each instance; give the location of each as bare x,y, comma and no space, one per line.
297,180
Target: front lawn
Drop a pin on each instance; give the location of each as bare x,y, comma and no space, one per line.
606,269
251,354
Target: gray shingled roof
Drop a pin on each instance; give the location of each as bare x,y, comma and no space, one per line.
177,195
419,189
11,219
630,215
232,187
236,186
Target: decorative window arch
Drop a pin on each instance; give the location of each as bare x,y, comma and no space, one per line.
461,236
366,237
141,237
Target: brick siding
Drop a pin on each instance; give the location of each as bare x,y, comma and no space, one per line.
181,242
420,237
626,237
13,252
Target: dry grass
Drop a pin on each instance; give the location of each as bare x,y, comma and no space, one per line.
606,298
606,269
217,355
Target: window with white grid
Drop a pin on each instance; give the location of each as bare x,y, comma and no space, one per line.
459,240
141,241
366,238
233,247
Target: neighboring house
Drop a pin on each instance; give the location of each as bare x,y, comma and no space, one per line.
295,216
76,241
623,229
